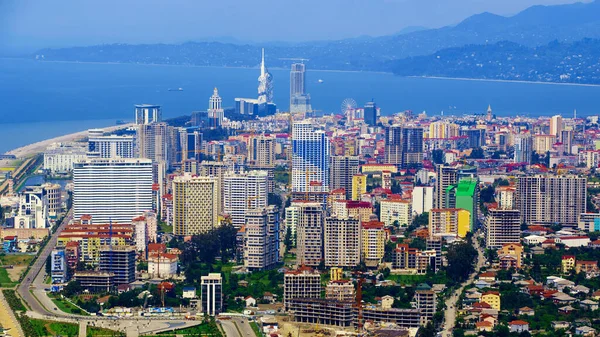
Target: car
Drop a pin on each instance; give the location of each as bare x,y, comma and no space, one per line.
55,308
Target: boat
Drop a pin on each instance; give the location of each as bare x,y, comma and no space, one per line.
178,89
320,80
121,122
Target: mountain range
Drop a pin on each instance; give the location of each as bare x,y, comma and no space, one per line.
527,31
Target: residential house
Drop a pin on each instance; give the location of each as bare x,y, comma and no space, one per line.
560,325
567,263
511,251
492,298
589,305
518,326
526,311
585,331
588,267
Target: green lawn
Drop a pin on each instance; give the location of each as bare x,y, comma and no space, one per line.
5,281
204,329
16,259
50,328
256,329
66,306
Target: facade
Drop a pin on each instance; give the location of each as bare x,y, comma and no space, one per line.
396,210
111,146
342,290
523,148
467,198
212,294
90,238
556,126
153,142
446,176
546,199
426,301
370,113
162,265
120,261
359,186
147,113
342,169
95,281
501,227
215,110
321,311
261,238
59,157
195,204
310,157
492,298
408,260
449,221
404,146
261,151
242,192
265,83
115,190
299,99
422,199
292,216
59,268
309,233
342,242
301,283
145,228
373,242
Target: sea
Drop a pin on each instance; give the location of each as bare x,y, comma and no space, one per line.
41,100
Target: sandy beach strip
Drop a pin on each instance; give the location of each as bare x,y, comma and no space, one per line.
41,146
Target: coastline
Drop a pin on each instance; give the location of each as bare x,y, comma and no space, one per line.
503,81
39,147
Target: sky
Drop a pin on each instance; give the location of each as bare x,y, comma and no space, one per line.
27,25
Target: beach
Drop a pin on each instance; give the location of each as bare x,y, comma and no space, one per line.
39,147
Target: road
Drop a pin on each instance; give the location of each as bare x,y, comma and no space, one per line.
452,301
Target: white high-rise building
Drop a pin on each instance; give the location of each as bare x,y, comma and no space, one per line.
310,157
59,157
244,191
116,190
502,226
215,109
291,221
422,199
342,242
212,294
147,113
111,146
261,238
556,125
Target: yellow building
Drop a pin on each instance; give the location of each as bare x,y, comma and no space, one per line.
359,186
336,274
514,250
449,221
567,263
373,242
378,168
492,298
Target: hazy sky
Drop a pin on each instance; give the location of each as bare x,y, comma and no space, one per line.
29,24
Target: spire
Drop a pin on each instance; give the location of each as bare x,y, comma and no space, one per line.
262,63
216,92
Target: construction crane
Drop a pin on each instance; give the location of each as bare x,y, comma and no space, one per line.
358,304
307,183
294,59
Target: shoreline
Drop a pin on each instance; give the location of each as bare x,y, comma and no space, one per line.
310,70
40,147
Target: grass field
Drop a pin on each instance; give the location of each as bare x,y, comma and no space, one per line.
205,329
49,328
256,329
5,280
16,259
65,306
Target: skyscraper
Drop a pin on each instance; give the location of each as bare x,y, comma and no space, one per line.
446,176
502,226
215,110
153,142
111,146
309,233
370,113
265,83
342,242
299,99
262,150
147,113
556,125
310,157
523,148
112,189
343,168
195,204
404,146
242,192
261,238
546,199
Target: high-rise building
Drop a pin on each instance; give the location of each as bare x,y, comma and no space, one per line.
147,113
215,110
310,157
396,212
342,169
261,151
523,148
543,143
111,146
58,266
291,221
370,113
195,204
373,242
340,290
502,226
404,146
216,169
342,242
59,157
466,196
425,300
191,144
265,83
449,221
359,186
546,199
445,177
244,191
566,137
119,260
556,125
211,288
299,99
422,199
145,227
261,238
115,190
153,142
309,233
475,137
301,283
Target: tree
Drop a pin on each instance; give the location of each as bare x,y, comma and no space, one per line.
275,199
461,257
486,194
72,288
437,156
477,153
427,331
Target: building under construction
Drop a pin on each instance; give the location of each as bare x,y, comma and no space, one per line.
119,260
